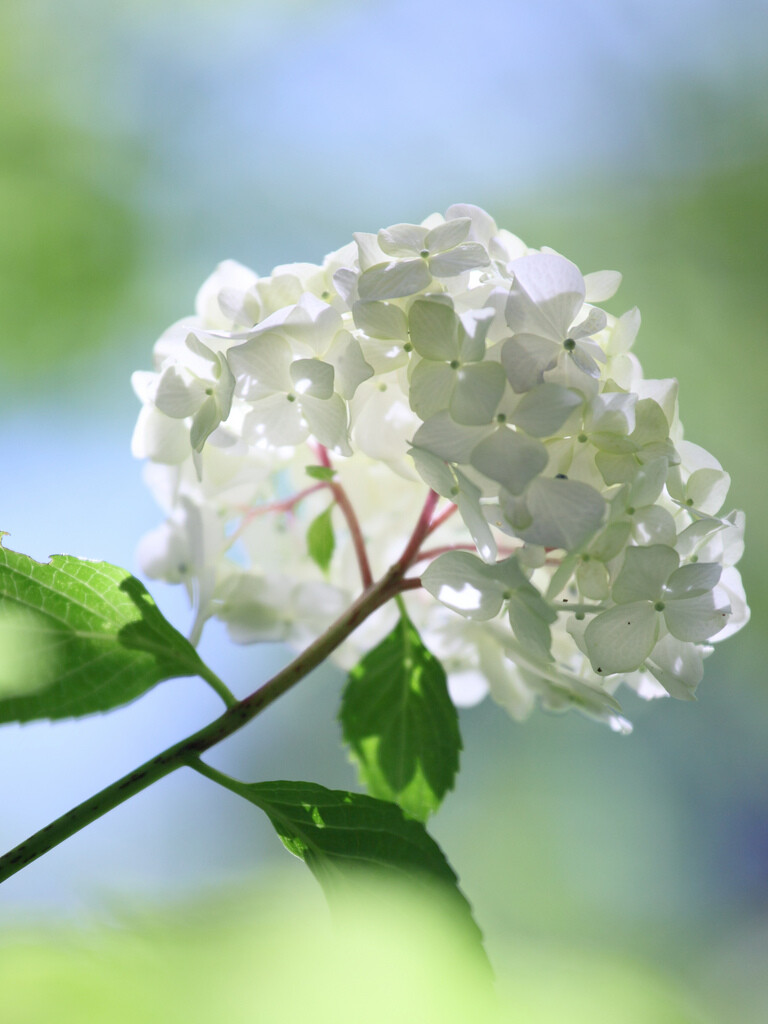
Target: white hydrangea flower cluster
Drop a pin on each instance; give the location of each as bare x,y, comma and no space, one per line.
588,546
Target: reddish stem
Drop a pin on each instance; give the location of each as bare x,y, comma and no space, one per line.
438,521
342,500
281,506
421,531
411,583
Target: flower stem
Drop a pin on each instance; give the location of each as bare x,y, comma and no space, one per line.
438,521
219,687
342,500
422,530
188,750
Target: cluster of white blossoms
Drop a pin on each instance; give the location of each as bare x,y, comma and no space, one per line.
579,541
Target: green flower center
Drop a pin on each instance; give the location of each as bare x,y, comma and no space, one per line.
569,344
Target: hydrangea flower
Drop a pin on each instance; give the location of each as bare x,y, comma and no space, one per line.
296,424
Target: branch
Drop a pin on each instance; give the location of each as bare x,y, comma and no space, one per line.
187,750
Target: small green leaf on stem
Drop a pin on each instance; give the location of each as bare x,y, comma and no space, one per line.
321,541
401,724
325,473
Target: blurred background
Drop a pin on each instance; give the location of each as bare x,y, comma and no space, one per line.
142,143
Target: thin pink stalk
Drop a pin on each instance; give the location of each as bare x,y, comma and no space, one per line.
342,500
421,531
438,521
281,506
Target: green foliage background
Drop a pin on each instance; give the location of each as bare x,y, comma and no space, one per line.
600,867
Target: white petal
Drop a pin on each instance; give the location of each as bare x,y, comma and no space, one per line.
693,580
730,589
678,666
696,618
530,618
179,396
648,483
546,294
262,363
459,580
483,226
564,513
467,687
383,422
432,385
327,420
457,260
402,239
707,489
381,320
595,321
477,393
434,329
449,440
654,525
475,324
312,377
276,421
610,542
663,392
510,459
525,357
368,251
601,285
347,359
394,280
612,412
644,572
435,473
205,421
471,511
593,580
160,438
446,236
542,411
620,639
624,332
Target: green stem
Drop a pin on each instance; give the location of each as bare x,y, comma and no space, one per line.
188,750
215,775
220,687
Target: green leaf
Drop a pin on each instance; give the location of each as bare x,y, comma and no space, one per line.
321,541
320,472
341,835
83,637
401,724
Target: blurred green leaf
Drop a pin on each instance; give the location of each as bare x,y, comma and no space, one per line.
321,541
70,245
96,637
321,472
401,724
345,837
